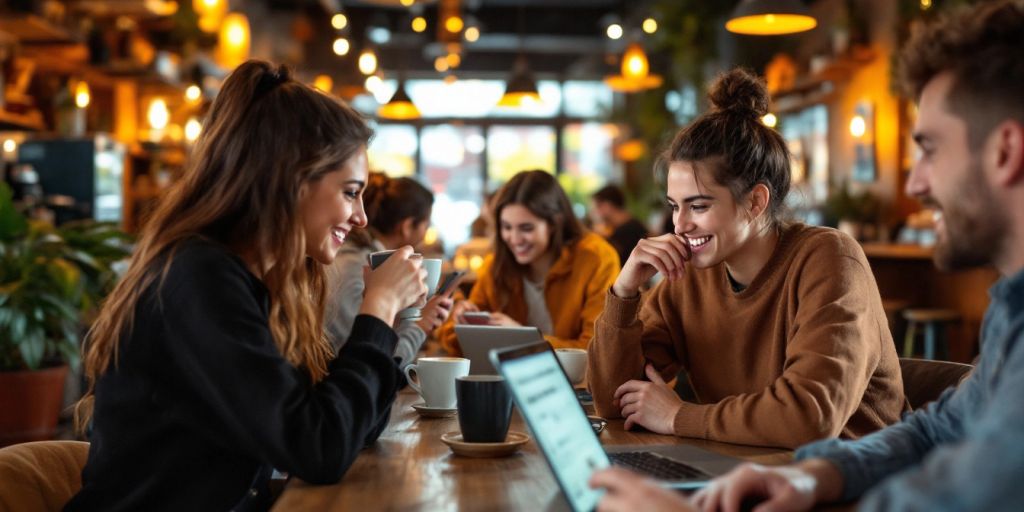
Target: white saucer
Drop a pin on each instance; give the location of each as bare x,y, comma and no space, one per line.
434,412
512,443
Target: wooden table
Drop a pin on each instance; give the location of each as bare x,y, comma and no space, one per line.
409,468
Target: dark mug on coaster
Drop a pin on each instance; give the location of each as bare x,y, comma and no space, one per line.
485,408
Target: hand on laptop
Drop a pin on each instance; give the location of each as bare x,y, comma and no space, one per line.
628,491
796,487
650,404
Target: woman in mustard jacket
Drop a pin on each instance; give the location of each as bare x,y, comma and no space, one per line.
547,270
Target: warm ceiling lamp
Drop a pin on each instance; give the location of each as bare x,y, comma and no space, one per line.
453,24
82,94
210,13
324,82
635,75
419,24
521,88
400,107
367,62
339,21
233,42
770,17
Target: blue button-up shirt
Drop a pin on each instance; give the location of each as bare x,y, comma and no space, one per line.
964,451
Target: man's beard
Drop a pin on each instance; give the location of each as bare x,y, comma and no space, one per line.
975,225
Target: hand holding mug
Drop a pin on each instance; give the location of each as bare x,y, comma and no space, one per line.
395,284
666,254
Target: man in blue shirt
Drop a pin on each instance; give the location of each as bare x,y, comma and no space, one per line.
966,450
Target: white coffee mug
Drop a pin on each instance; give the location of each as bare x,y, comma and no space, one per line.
433,268
574,362
435,379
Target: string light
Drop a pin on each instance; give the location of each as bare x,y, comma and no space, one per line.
769,120
454,24
650,25
472,34
614,31
339,21
193,93
341,46
367,62
419,24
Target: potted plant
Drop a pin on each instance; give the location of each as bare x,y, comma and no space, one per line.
852,213
49,280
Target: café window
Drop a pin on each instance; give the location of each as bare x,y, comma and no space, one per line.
587,160
392,150
452,165
511,149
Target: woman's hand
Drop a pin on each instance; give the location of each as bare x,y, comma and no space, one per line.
434,313
394,285
628,491
498,318
652,405
666,254
461,307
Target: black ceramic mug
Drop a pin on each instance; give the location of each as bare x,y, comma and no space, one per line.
485,408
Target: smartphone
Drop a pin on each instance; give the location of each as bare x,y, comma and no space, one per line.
449,283
477,317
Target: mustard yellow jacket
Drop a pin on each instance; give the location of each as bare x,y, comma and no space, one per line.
574,291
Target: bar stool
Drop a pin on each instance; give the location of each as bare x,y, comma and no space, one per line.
894,315
934,322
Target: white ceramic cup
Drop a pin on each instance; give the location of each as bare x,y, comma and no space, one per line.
433,268
435,379
574,361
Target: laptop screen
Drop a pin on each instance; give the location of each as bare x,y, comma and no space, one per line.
550,407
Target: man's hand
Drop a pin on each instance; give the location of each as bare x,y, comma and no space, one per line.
652,405
794,488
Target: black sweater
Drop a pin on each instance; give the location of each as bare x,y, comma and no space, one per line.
201,403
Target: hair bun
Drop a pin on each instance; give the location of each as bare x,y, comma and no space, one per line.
739,91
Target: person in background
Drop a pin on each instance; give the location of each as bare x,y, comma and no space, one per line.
208,365
398,214
609,206
779,326
966,450
546,270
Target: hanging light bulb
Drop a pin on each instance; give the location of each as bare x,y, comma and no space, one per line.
367,62
339,21
324,82
192,129
82,94
635,71
341,46
400,107
233,43
770,17
157,114
419,24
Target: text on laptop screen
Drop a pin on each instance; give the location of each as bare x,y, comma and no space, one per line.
550,407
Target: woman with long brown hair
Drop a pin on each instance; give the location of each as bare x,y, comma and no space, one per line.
546,271
208,365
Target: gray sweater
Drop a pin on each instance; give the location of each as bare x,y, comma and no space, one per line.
346,296
963,452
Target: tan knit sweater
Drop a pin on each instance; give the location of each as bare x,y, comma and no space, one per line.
803,353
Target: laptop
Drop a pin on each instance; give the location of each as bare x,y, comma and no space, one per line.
477,341
559,424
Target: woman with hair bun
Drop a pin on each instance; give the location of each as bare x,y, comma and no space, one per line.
208,366
778,326
398,214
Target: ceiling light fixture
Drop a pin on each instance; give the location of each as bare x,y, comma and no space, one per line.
400,107
770,17
635,72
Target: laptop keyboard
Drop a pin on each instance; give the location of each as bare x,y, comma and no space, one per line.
656,466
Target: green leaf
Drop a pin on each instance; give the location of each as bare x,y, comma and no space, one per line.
12,223
32,348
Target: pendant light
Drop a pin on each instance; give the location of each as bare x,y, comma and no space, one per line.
770,17
400,107
635,75
521,88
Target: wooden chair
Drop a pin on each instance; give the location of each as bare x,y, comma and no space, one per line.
42,475
924,380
